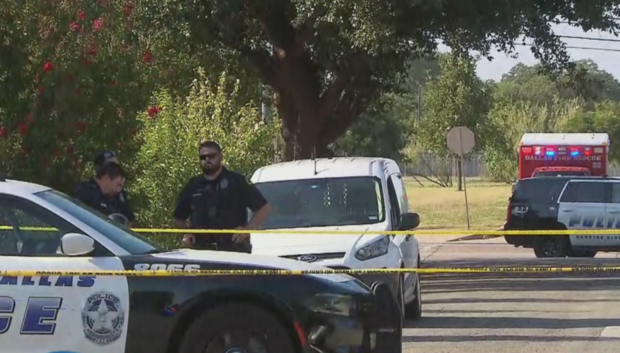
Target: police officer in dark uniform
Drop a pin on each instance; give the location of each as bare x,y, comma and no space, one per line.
98,192
120,202
219,199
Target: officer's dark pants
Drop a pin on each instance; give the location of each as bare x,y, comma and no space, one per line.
244,247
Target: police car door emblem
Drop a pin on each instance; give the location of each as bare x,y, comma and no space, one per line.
224,183
307,258
103,318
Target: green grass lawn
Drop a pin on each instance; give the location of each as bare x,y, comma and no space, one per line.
444,208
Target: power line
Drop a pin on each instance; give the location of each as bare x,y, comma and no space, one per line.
579,48
577,22
592,38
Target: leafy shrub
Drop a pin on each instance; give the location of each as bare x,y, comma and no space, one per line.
170,134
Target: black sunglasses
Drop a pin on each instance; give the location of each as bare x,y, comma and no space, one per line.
108,154
208,156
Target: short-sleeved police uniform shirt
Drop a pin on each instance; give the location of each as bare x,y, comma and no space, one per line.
218,204
121,204
90,193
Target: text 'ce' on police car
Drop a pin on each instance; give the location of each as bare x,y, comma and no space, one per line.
45,230
565,203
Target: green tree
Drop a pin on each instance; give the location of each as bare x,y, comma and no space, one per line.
172,130
527,100
456,98
603,118
328,61
72,79
508,121
380,132
585,80
386,128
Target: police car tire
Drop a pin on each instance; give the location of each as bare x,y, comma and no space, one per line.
559,240
237,315
584,253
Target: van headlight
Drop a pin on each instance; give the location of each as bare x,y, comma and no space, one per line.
377,248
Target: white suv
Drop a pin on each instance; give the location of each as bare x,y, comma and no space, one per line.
343,194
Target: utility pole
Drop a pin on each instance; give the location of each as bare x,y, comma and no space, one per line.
419,110
266,116
265,107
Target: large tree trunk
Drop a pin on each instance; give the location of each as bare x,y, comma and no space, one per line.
313,115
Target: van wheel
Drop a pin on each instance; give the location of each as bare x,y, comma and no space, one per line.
401,298
236,327
413,310
551,246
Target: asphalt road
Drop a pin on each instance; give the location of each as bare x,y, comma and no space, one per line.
506,313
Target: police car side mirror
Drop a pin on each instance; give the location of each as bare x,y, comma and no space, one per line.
75,244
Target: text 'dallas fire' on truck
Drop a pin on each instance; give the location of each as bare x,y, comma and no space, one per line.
549,154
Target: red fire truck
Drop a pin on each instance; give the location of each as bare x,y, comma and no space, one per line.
563,154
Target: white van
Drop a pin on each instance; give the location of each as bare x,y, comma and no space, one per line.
346,194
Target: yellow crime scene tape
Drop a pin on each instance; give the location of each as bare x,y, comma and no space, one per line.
192,273
353,232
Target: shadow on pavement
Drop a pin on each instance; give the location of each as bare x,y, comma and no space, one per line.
546,338
456,311
516,284
501,262
511,300
449,322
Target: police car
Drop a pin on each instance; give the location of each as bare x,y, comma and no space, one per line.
43,229
565,202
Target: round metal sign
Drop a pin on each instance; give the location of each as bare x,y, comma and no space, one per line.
461,140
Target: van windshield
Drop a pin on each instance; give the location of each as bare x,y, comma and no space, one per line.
323,202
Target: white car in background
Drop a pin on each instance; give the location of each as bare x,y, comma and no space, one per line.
343,194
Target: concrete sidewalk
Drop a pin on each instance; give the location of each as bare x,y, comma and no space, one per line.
431,244
438,239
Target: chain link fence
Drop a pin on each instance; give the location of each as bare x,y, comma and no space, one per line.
434,167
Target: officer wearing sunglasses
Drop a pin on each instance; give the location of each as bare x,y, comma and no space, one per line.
219,199
118,202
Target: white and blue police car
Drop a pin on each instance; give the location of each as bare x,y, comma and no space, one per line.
63,310
565,203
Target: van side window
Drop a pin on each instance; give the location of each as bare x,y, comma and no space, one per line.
402,197
615,193
584,192
394,205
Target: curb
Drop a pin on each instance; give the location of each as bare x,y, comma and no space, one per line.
477,237
474,237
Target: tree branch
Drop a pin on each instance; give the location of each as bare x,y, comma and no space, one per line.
263,63
331,98
349,108
306,30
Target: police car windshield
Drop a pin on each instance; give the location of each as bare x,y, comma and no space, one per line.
122,236
538,190
323,202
